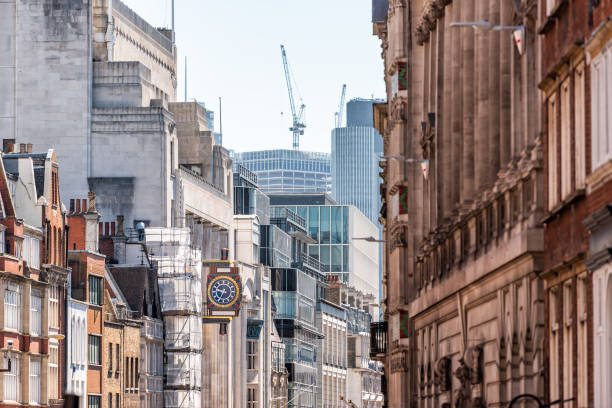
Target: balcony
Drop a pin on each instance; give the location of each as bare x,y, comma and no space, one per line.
307,261
378,340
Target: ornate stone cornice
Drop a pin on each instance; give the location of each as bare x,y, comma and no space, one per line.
432,11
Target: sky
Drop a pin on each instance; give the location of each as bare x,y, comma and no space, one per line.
233,52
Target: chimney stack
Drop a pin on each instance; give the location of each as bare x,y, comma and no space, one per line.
29,147
22,148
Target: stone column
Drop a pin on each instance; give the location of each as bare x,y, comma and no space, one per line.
482,99
448,113
453,164
494,91
468,101
505,52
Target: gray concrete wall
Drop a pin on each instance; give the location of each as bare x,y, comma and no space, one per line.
133,143
44,80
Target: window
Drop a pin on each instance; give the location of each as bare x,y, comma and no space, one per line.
12,307
94,349
552,153
34,380
566,156
53,371
251,397
601,102
54,307
252,355
31,251
118,365
553,344
35,313
2,242
579,124
110,400
95,290
94,401
12,383
117,400
110,357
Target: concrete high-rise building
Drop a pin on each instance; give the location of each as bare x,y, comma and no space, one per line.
354,161
288,171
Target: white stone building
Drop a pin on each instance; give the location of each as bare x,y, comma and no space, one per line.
76,352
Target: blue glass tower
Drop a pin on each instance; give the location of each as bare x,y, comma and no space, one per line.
354,161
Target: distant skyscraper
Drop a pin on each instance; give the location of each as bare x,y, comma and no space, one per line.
354,162
288,171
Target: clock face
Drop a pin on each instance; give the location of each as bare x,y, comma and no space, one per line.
223,291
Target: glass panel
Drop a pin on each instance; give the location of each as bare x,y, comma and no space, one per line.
345,258
325,232
302,212
325,258
345,228
313,223
336,257
313,250
336,219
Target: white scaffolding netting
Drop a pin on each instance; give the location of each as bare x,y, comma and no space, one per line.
179,277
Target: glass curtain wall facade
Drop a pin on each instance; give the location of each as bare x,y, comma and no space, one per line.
329,226
288,171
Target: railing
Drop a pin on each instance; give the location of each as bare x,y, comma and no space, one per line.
245,173
378,340
282,212
307,260
200,178
152,329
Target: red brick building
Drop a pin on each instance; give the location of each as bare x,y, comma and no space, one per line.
577,84
33,277
88,267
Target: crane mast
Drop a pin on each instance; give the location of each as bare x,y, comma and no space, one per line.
298,126
340,112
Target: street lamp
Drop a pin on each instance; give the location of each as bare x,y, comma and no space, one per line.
537,400
518,31
424,162
369,239
5,353
57,336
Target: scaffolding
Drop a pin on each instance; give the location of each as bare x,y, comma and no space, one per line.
179,277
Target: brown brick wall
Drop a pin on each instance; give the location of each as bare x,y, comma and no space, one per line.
565,236
568,27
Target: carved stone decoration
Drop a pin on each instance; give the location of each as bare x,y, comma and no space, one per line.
442,374
398,110
463,394
398,236
432,11
470,375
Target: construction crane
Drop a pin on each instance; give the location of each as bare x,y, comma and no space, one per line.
340,107
298,126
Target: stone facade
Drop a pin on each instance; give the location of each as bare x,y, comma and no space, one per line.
463,300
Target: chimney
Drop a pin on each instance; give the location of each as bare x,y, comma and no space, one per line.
10,147
29,147
22,148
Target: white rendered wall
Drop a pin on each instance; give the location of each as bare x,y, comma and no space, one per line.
364,255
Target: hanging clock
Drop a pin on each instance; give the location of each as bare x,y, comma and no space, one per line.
223,292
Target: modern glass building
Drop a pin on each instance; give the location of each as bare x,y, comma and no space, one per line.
332,229
287,171
354,161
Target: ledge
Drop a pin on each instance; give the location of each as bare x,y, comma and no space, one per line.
559,207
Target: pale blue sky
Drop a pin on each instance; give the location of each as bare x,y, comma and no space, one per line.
233,51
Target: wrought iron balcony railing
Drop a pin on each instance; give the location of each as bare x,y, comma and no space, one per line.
378,340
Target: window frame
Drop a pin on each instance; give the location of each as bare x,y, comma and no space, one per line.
93,359
95,291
